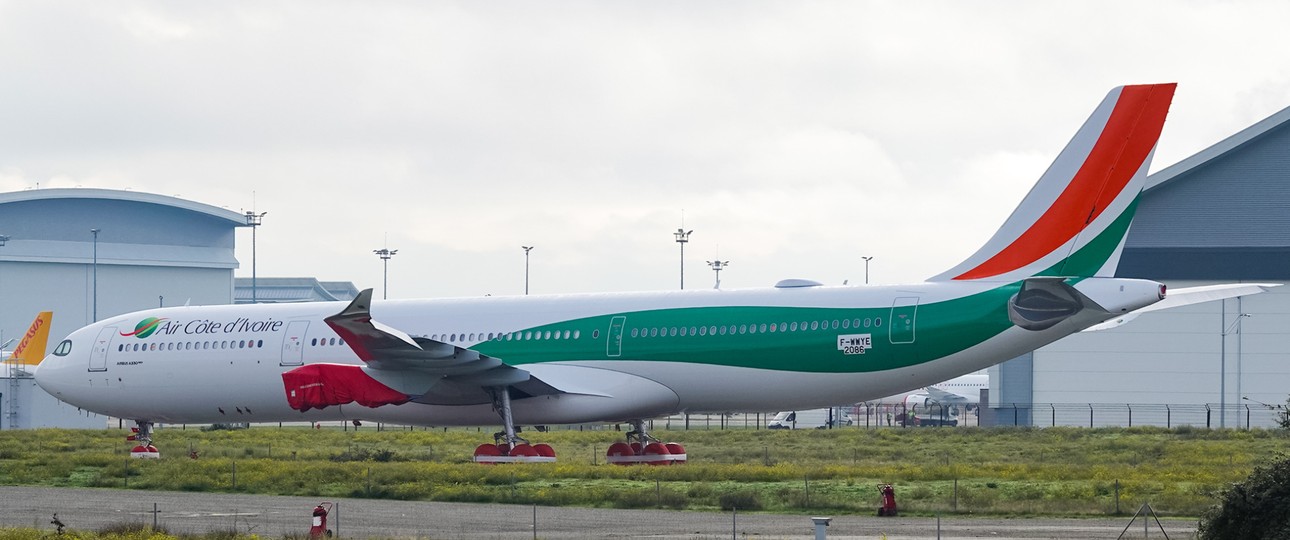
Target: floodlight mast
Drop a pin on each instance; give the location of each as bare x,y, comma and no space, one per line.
717,266
682,236
253,221
94,313
385,254
527,249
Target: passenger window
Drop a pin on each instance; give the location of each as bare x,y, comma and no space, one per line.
577,334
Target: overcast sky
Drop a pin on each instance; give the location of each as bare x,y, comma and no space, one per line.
793,138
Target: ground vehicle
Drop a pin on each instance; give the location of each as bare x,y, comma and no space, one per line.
812,418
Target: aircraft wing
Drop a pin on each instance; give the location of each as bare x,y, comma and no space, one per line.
1188,296
400,368
941,396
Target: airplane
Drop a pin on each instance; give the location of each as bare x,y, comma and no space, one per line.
962,390
626,357
31,347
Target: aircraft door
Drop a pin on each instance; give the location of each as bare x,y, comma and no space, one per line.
293,343
98,356
904,312
614,347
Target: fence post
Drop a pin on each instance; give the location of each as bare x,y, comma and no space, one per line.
1014,415
1247,417
1090,415
1054,408
1168,417
1208,414
1130,407
534,522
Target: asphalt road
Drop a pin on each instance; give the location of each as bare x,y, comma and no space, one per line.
273,517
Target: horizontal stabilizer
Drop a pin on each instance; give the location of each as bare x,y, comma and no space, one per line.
1188,296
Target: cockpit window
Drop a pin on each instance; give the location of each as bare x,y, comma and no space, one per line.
63,348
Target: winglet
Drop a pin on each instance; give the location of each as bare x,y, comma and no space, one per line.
31,350
1074,221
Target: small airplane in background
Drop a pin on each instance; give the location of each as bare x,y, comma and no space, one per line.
626,357
960,391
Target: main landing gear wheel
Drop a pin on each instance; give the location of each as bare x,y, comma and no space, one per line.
509,447
143,435
643,448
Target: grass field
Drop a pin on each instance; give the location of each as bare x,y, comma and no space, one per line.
1004,471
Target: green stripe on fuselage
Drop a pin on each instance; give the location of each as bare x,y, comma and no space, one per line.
941,329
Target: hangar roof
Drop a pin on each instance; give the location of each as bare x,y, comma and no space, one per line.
134,228
286,289
1219,214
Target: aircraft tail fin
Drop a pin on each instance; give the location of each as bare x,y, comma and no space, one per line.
31,350
1074,221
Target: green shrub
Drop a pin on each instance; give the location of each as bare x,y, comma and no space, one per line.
741,500
1256,509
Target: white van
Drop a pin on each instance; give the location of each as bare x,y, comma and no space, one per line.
814,418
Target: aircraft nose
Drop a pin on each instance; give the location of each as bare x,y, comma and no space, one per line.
50,372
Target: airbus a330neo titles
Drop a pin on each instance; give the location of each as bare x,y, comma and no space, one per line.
625,357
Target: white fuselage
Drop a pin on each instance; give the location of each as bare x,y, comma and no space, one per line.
225,363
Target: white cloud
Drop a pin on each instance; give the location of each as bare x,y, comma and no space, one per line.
796,137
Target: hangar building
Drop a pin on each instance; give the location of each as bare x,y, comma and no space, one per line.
1220,216
87,254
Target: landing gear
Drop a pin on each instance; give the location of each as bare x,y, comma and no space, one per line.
143,435
642,448
509,447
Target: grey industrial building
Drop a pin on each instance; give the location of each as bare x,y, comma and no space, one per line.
1220,216
87,254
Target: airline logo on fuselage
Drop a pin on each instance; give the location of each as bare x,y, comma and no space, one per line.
198,327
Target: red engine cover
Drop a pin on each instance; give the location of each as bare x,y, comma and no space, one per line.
320,385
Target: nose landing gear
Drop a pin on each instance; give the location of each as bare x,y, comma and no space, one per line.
643,448
509,447
143,435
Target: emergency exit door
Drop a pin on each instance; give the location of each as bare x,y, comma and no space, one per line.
904,315
98,356
614,347
293,343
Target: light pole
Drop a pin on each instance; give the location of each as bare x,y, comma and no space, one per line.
95,313
3,240
253,221
385,255
527,249
682,236
1222,365
866,269
717,266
